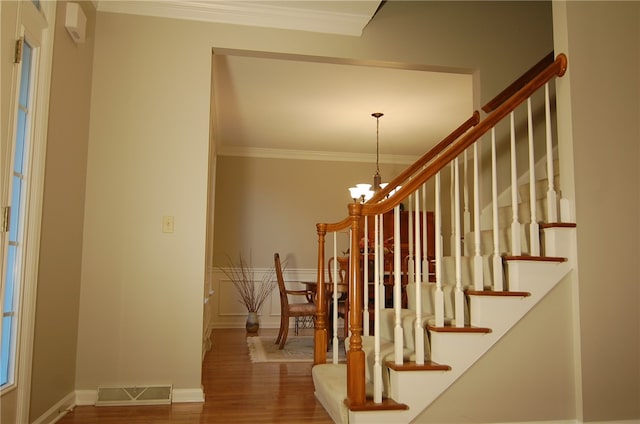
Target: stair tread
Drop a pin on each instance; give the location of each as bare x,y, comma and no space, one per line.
413,366
534,258
465,329
497,293
386,405
558,225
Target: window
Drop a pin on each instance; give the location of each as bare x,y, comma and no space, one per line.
22,161
15,250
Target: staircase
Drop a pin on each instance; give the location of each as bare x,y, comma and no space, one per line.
500,261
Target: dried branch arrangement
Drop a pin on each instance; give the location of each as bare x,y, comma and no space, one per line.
252,292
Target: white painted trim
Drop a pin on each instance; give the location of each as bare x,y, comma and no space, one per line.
58,410
261,14
86,397
188,395
313,155
89,397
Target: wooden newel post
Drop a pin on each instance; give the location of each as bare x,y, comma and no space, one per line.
355,356
320,333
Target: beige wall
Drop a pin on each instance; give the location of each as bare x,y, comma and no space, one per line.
140,318
141,297
148,158
603,44
272,205
54,357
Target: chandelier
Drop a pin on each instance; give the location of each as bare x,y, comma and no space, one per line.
363,192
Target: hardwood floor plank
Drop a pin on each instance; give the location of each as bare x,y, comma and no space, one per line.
236,391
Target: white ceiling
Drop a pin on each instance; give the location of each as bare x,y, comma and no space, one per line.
272,105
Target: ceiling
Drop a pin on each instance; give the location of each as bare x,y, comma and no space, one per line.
288,106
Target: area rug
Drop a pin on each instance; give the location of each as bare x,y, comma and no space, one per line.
296,349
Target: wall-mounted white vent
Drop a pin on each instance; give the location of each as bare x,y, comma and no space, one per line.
75,22
135,395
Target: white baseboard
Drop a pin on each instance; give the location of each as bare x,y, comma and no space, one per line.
86,397
58,410
89,397
188,395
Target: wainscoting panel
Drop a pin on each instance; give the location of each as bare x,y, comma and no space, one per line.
227,312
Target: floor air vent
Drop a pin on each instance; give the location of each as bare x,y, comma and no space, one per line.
146,395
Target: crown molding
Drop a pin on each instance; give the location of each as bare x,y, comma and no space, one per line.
313,155
253,13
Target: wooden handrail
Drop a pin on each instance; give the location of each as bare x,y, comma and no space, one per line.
340,225
427,157
557,68
408,172
518,84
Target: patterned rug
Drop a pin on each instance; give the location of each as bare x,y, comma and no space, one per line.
264,349
297,349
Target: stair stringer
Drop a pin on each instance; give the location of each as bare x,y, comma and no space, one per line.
419,389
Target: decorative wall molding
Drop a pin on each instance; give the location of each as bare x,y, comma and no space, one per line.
323,18
226,312
313,155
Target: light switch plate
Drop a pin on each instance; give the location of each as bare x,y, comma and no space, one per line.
167,224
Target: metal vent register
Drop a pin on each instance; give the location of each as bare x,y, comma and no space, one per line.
146,395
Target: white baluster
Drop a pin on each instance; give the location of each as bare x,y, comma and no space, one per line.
478,274
466,216
377,368
498,283
365,278
439,298
552,207
383,292
425,255
398,334
534,228
410,259
459,296
334,299
515,225
452,236
418,329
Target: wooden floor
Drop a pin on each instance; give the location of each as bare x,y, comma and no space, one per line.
236,391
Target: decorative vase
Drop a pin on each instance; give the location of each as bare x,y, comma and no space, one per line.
252,323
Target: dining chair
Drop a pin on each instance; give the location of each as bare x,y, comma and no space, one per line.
291,309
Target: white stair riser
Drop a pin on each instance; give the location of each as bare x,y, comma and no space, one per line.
457,349
491,311
533,276
558,241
